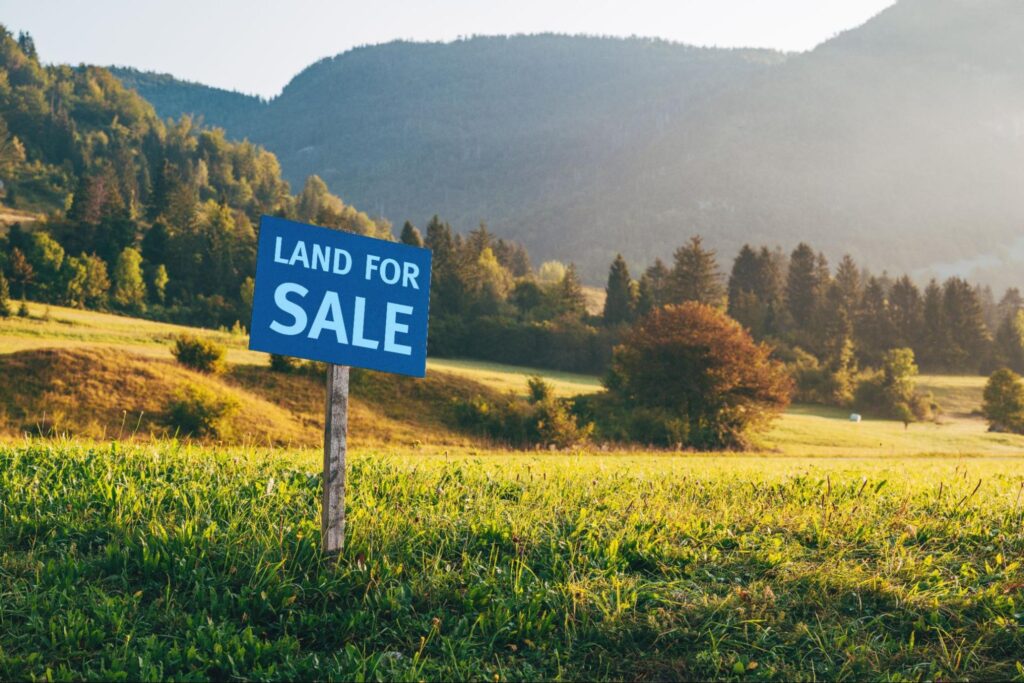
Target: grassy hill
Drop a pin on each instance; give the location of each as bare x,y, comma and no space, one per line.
100,375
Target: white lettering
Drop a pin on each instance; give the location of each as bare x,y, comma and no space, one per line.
338,254
392,327
321,257
277,251
410,271
330,305
358,319
299,254
292,309
371,264
390,264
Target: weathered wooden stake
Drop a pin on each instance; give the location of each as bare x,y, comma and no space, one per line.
335,445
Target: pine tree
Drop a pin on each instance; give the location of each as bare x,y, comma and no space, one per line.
965,320
645,302
755,291
571,298
803,287
848,280
695,275
907,311
5,297
744,276
411,236
657,276
875,331
439,240
935,342
620,299
1009,342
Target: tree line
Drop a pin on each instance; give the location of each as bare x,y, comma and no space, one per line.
841,317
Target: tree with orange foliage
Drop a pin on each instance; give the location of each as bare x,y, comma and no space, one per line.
702,367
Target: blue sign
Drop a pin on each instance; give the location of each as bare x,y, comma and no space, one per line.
341,298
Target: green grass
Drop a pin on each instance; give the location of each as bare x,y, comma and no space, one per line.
156,562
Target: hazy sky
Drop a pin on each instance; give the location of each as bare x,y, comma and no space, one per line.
256,46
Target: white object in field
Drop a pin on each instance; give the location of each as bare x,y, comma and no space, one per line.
854,417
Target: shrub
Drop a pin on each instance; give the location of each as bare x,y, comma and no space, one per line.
538,388
891,392
1004,402
283,363
195,411
199,354
515,422
700,366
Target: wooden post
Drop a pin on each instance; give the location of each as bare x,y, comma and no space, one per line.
335,446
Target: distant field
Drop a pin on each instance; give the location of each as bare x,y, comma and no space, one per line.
163,562
513,378
803,430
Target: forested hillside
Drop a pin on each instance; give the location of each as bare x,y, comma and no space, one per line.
899,141
142,215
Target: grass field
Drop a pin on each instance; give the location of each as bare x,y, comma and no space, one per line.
162,561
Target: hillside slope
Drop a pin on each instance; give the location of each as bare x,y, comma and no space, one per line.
900,141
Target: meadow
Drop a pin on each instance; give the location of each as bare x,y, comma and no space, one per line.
168,561
836,551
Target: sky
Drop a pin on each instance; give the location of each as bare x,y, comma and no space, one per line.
257,46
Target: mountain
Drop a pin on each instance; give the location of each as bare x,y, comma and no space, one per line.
900,141
173,97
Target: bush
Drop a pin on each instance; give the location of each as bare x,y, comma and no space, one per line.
615,422
199,354
538,388
195,411
545,422
891,393
283,363
698,365
1004,402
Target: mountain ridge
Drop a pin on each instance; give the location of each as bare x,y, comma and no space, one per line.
897,140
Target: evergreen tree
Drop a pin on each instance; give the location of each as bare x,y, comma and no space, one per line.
755,291
875,331
745,275
849,283
571,298
645,300
5,297
439,240
1011,302
657,276
695,275
906,310
836,324
1009,342
411,236
803,287
129,287
965,320
620,299
934,342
